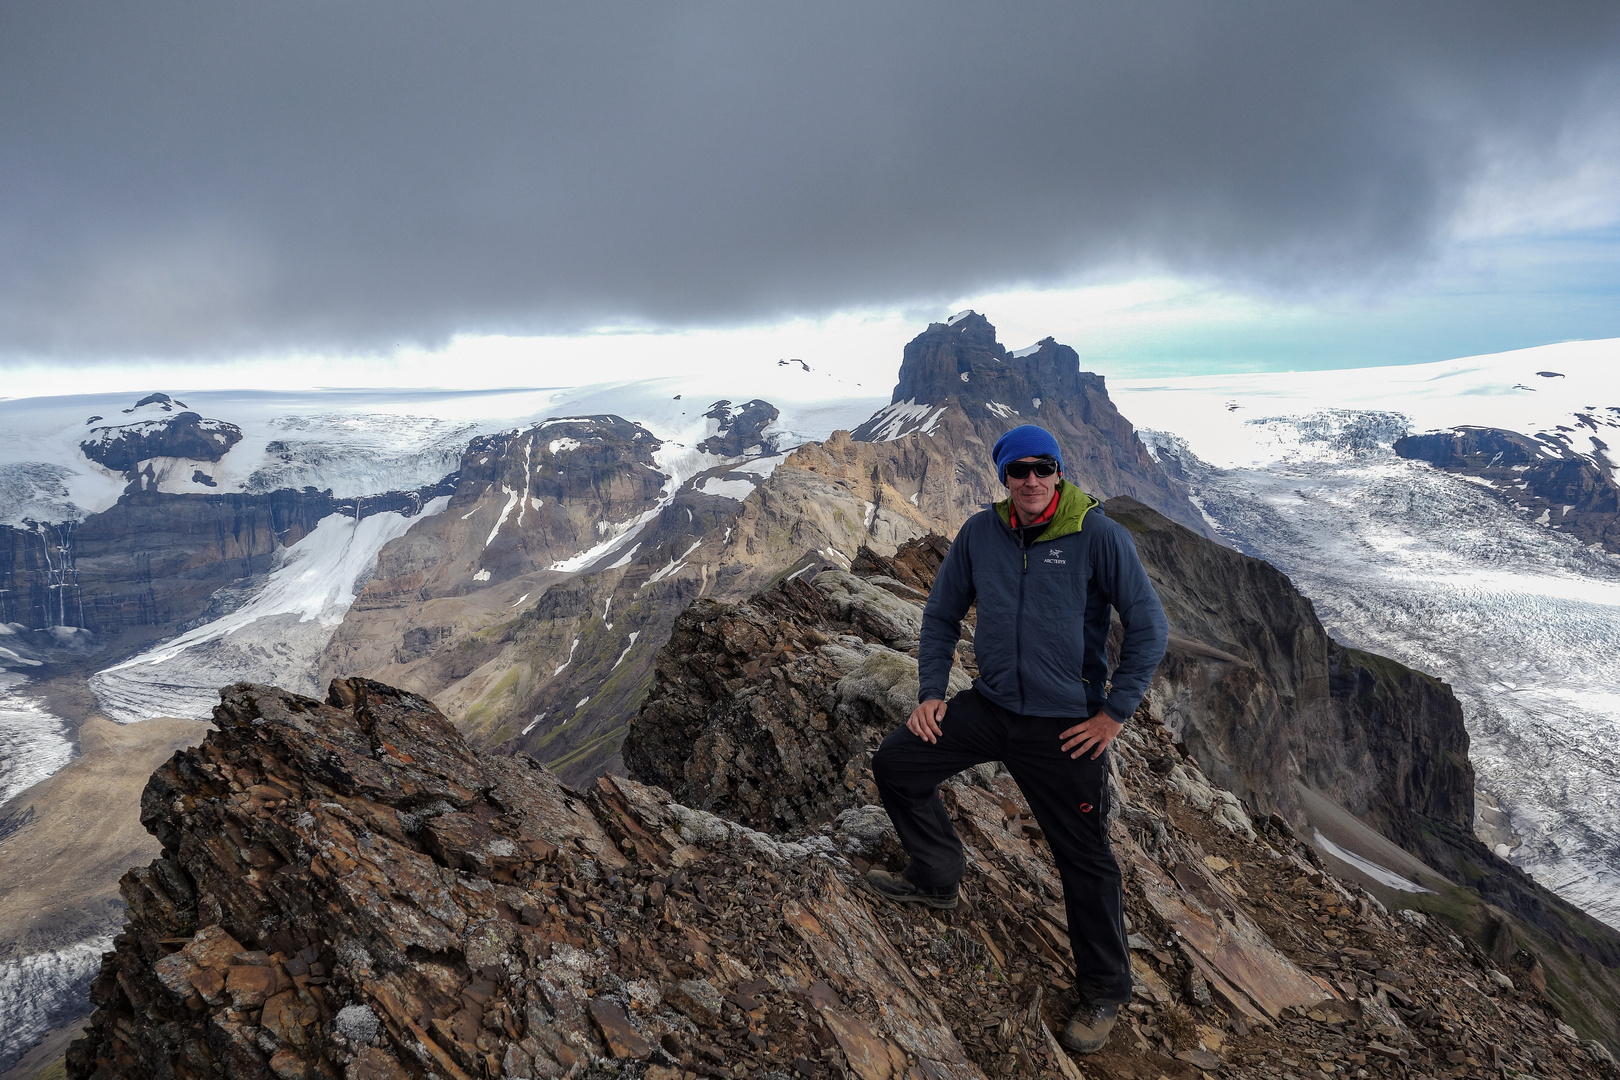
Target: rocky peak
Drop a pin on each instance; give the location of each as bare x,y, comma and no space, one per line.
159,401
961,361
741,429
961,388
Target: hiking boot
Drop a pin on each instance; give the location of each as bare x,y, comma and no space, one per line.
898,887
1088,1028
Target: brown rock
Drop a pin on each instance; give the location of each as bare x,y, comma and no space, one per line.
212,948
289,1064
868,1055
281,1017
249,986
698,999
210,984
175,972
374,1064
622,1039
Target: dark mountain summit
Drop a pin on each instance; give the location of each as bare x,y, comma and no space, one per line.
963,359
960,385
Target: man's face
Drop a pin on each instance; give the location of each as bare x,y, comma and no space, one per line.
1033,494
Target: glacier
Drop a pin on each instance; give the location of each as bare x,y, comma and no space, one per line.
1440,573
33,742
45,990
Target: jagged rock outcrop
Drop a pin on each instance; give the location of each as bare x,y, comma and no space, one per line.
792,749
957,381
1569,491
348,889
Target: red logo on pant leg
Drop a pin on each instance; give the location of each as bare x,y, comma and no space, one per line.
1085,808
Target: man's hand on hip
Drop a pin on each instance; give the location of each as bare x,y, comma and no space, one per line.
1097,732
925,720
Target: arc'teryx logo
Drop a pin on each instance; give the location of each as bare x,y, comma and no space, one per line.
1053,555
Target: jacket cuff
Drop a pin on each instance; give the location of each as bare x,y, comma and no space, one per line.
1120,707
929,695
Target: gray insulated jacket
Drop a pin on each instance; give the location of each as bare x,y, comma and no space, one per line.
1042,635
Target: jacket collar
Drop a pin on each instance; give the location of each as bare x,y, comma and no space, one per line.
1073,505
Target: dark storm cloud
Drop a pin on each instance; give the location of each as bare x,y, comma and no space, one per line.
196,179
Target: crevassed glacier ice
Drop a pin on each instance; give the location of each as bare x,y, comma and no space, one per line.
1405,560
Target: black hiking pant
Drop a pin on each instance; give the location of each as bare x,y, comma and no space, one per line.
1069,797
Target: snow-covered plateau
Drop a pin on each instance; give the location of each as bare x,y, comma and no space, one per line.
364,441
1434,569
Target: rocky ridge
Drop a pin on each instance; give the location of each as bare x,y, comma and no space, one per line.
348,889
768,711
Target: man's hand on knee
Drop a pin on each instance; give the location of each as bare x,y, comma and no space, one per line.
1097,732
925,720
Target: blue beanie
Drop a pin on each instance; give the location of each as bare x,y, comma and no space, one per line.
1025,440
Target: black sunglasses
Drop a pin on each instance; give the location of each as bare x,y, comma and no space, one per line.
1017,470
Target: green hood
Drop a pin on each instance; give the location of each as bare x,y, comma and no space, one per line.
1073,505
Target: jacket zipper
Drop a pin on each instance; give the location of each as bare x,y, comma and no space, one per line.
1018,631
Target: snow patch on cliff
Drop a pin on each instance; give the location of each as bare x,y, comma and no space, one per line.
276,637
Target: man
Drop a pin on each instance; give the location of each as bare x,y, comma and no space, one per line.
1044,566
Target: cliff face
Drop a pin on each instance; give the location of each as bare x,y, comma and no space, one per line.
348,889
151,563
1266,699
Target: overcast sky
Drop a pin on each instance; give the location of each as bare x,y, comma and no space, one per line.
1284,184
